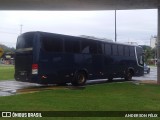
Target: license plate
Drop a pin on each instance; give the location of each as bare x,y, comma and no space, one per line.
22,73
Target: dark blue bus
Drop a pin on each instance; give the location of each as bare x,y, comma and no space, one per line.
49,58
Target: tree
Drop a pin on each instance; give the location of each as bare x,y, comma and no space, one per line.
154,53
149,53
7,49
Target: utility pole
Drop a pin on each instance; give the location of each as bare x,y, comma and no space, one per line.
158,49
21,28
115,26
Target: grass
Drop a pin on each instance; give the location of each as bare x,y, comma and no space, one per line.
6,72
101,97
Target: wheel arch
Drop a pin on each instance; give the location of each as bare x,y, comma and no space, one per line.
131,70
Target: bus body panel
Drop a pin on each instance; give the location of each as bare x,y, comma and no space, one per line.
61,67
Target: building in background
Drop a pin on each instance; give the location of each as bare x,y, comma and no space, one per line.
153,41
153,44
8,58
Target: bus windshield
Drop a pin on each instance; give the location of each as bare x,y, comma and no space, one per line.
25,41
140,56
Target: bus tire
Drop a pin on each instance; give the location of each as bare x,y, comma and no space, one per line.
79,79
128,75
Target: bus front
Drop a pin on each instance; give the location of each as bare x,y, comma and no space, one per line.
26,68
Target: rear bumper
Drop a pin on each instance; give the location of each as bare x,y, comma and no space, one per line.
23,78
38,79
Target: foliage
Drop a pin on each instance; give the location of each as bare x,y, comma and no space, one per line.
149,53
6,48
154,52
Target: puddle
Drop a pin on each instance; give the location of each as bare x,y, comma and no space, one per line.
11,87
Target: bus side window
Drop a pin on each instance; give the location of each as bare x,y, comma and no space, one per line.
93,47
89,47
114,50
126,51
108,49
132,51
120,50
76,46
72,46
100,48
85,47
52,44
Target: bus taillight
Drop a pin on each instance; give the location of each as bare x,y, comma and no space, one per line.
34,68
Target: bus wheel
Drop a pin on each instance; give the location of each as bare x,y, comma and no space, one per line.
128,76
80,79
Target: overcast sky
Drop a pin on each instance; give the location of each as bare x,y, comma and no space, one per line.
132,25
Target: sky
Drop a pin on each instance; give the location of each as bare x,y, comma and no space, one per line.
132,25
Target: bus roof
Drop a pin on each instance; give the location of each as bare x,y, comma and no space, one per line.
82,37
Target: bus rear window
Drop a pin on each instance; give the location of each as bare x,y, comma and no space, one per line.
25,41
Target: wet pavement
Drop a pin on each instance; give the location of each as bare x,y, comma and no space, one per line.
12,87
151,76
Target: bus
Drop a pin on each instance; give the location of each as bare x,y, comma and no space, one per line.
49,58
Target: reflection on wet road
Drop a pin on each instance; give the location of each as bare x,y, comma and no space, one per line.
12,87
151,76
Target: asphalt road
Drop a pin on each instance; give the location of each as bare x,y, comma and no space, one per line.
12,87
151,76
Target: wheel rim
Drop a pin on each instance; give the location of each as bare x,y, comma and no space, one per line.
129,76
81,78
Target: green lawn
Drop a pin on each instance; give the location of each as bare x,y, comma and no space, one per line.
101,97
125,96
6,72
